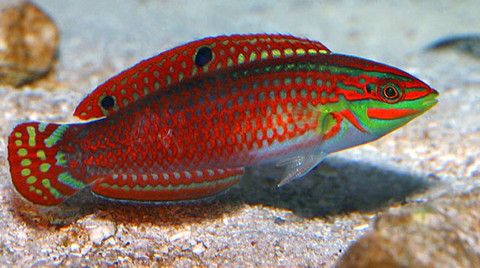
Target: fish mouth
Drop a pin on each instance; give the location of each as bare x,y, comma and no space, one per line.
430,100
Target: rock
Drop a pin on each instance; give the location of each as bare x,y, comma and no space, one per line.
99,230
444,232
199,248
28,43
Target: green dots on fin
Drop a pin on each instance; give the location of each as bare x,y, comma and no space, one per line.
41,155
18,142
43,126
25,162
18,134
264,55
44,167
288,52
31,179
31,136
53,191
241,58
229,62
25,172
276,53
312,51
300,51
253,57
22,152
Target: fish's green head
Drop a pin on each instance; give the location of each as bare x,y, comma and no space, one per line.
384,98
373,100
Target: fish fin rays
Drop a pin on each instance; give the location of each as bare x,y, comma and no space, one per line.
38,165
167,186
298,166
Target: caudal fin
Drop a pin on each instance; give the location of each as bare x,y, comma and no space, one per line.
37,163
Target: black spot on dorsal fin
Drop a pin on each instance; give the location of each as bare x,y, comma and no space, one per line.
204,55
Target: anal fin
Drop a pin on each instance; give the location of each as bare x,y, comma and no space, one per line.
298,166
167,186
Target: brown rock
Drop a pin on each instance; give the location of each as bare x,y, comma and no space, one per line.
444,233
28,42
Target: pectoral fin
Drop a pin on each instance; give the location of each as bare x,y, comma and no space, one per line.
298,166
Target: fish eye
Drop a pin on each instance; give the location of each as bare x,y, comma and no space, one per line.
391,93
203,56
107,102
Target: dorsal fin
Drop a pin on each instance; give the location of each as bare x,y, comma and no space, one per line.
186,61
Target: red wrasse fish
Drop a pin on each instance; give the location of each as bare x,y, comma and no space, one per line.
185,123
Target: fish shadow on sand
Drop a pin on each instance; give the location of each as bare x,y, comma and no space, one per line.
337,186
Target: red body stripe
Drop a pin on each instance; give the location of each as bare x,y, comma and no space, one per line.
389,114
351,117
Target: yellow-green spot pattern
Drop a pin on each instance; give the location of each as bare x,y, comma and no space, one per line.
18,143
288,52
31,136
25,172
22,152
264,54
31,179
41,155
170,187
253,56
18,134
25,162
241,58
300,51
53,191
44,167
43,126
276,53
229,62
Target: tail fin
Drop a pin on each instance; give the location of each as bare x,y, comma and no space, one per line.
37,163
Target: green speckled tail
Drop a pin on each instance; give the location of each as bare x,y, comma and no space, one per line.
38,165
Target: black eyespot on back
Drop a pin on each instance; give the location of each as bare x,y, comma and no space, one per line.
107,102
204,55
